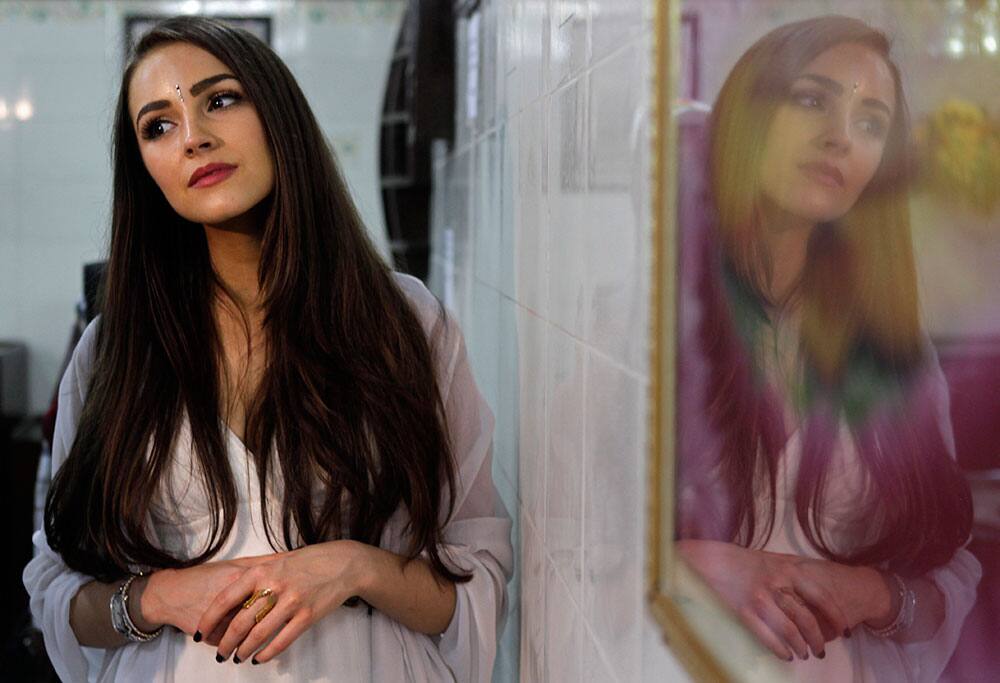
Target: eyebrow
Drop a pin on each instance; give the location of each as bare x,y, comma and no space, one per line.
196,90
837,89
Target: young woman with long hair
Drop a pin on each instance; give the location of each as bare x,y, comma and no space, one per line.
819,493
265,424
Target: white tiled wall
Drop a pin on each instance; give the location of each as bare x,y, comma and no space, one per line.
541,247
64,57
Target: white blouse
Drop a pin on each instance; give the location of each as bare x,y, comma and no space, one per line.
348,645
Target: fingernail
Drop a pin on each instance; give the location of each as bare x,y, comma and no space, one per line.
197,636
219,658
822,654
805,656
847,633
254,661
236,659
790,658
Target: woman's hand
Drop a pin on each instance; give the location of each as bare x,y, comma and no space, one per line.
305,584
178,596
790,603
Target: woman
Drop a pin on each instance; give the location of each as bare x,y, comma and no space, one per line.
819,494
265,420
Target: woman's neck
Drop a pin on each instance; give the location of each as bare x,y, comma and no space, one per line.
787,239
235,255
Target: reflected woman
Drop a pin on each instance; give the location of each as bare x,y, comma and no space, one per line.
819,495
265,425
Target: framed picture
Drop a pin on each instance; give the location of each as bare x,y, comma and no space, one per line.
721,349
137,24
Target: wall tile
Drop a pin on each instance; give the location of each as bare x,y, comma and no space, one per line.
534,22
615,22
486,224
617,243
532,669
531,391
511,38
567,180
596,668
482,337
563,631
563,499
508,406
613,494
531,247
507,184
569,34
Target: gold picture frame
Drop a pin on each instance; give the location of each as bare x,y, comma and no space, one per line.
707,640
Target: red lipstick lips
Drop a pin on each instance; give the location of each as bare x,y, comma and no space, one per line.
828,174
210,174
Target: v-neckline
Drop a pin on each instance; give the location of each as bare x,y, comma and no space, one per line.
232,436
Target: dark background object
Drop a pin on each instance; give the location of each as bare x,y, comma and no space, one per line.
137,24
419,107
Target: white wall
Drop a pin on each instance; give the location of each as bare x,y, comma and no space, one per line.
65,58
542,248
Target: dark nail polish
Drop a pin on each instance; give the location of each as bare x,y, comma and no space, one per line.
236,659
822,654
254,661
847,633
790,658
805,657
197,636
219,658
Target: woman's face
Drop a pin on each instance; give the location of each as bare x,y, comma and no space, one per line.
826,140
200,137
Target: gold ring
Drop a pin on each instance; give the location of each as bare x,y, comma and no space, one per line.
256,596
263,613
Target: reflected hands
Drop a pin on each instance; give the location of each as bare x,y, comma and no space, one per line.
791,603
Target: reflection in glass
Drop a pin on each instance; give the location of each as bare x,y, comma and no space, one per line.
818,489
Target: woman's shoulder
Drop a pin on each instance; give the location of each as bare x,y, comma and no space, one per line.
438,323
81,362
429,309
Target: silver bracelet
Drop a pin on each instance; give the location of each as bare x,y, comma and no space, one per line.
906,614
120,618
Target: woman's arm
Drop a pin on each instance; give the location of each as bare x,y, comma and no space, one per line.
90,615
410,592
309,583
886,603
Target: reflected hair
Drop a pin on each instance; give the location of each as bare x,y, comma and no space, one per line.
860,335
349,396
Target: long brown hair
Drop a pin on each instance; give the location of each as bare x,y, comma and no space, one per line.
348,397
860,333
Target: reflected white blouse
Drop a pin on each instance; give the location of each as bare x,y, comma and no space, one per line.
348,645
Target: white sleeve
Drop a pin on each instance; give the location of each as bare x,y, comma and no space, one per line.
476,539
52,585
957,580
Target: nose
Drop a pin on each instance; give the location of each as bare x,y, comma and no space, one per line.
197,139
836,136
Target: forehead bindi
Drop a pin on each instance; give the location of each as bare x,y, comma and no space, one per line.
859,71
164,69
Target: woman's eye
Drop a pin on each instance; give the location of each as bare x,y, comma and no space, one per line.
873,127
155,128
808,100
222,100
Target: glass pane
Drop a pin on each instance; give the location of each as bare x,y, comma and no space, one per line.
838,334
